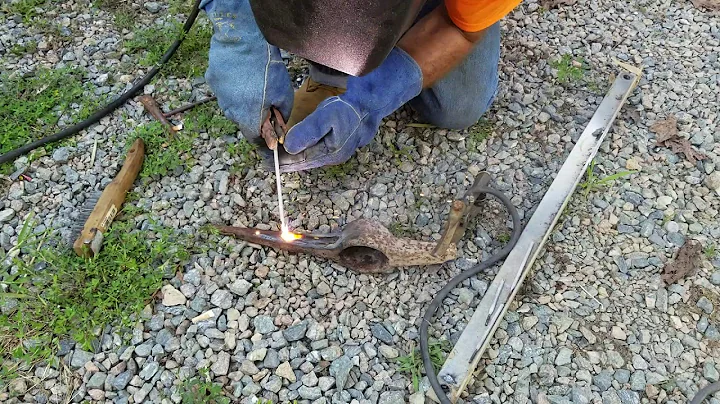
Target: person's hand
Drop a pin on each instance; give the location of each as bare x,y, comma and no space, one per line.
245,72
342,124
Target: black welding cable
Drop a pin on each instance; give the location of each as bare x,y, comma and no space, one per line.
440,296
94,118
705,393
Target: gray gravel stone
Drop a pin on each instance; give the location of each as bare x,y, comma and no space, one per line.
310,393
121,380
61,155
80,358
705,305
564,357
97,380
222,364
710,372
628,397
622,376
340,370
637,381
149,370
295,332
380,332
240,287
603,380
264,324
392,397
222,298
153,7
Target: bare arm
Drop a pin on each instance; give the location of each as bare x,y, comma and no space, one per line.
437,44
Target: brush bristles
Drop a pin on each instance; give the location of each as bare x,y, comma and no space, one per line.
83,213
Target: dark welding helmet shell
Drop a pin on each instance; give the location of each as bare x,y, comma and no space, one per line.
353,37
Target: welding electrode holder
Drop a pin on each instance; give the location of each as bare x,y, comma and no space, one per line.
273,129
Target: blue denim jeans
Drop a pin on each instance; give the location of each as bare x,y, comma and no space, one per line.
459,99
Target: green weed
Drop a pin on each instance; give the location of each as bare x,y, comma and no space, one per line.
666,219
568,68
400,230
399,154
593,183
412,362
52,294
31,107
162,154
340,170
478,133
504,237
710,251
190,59
201,390
420,125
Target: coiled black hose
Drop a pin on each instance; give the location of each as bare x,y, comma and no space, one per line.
97,116
440,296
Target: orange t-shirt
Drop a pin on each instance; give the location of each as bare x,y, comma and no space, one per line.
476,15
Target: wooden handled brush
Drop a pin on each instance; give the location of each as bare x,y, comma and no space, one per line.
89,242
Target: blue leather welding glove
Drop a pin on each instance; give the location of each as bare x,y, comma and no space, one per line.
245,72
340,125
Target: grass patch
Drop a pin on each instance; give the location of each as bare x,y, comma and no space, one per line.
27,9
568,68
478,133
202,390
52,294
412,363
21,50
190,59
31,107
593,183
163,155
208,118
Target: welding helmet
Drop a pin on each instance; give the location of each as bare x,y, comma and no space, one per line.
353,37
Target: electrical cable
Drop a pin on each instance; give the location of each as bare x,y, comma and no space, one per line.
705,393
94,118
440,296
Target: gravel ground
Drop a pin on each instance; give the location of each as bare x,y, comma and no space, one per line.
595,323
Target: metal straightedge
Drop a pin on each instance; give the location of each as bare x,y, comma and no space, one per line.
462,361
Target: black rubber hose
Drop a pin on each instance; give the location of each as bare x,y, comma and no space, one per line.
705,393
440,296
97,116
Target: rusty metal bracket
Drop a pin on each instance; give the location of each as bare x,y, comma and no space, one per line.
366,246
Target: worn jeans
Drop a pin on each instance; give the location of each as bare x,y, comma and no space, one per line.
460,98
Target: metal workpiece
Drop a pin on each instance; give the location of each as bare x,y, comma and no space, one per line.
366,246
463,359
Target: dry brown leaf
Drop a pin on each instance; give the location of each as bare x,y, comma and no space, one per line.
667,135
550,4
682,145
666,129
688,258
708,4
